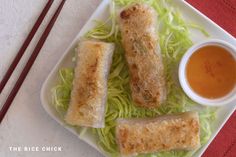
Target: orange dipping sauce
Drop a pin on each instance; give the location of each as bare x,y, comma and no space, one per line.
211,72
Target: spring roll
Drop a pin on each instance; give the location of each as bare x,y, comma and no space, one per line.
89,93
140,41
164,133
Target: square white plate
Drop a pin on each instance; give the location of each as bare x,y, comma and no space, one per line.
102,12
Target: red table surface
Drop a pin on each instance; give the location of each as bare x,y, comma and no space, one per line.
222,12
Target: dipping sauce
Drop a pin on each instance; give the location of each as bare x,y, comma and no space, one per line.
211,72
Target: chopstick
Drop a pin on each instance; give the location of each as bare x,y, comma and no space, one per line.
30,62
25,45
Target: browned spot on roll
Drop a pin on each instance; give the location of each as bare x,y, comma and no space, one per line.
124,14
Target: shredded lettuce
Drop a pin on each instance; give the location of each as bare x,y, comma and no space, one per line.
174,39
61,92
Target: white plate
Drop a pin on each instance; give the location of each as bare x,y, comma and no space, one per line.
101,13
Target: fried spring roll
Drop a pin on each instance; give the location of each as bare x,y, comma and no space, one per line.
164,133
89,93
140,41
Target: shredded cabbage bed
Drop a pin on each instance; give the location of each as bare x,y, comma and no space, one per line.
174,39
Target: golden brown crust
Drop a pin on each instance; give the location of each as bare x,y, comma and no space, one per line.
164,133
139,38
89,91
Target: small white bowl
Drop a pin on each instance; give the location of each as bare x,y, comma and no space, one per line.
184,82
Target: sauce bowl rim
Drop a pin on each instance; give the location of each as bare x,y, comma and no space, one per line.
184,82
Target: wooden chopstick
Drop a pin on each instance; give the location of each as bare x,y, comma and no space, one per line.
25,45
30,62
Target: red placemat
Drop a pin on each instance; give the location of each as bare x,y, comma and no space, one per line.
222,12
